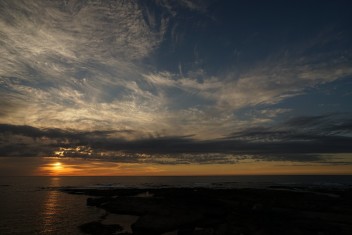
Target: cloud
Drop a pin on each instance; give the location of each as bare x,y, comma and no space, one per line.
219,100
73,30
174,7
271,83
82,66
283,142
62,60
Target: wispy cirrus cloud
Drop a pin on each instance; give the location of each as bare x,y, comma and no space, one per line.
218,101
70,68
270,82
63,60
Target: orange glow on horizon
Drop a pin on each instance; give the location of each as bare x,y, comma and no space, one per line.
79,167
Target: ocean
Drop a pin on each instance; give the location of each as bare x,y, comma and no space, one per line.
32,205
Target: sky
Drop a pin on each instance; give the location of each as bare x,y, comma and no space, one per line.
166,87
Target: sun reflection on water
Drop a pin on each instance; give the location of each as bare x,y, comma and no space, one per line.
51,208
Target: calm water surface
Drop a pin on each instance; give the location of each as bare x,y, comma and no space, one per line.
29,206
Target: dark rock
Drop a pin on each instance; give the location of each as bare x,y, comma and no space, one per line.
158,224
186,231
231,211
97,201
134,205
205,231
97,228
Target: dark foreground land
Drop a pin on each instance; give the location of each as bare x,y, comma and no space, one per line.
202,211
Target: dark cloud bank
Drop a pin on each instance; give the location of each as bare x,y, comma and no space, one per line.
303,139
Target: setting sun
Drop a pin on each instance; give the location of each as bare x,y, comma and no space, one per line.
56,168
57,165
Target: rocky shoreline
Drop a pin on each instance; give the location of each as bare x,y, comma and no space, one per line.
204,211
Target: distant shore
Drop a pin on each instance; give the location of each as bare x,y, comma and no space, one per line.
203,211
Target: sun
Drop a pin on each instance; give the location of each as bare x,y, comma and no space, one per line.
57,165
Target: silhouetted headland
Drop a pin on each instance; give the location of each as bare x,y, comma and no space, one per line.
205,211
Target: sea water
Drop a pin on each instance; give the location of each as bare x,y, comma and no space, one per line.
32,205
